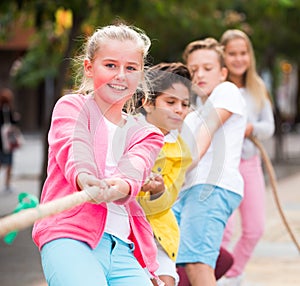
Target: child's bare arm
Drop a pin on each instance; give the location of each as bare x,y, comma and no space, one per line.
204,136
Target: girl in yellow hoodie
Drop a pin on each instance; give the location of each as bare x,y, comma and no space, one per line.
166,108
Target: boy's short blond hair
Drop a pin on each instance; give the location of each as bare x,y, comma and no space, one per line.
205,44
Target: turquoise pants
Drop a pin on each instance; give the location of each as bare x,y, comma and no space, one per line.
69,262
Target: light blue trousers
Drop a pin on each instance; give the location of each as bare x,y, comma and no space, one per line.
69,262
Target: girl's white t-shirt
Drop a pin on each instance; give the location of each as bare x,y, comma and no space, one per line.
220,164
117,221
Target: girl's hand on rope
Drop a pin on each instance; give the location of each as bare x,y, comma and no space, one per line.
98,192
249,130
155,185
107,190
118,189
85,180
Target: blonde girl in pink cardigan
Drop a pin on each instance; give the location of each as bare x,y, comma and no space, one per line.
92,142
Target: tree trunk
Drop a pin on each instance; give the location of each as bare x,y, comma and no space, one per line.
297,118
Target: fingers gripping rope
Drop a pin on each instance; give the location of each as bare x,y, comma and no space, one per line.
98,195
26,217
273,182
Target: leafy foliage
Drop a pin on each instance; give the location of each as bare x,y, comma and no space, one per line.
272,26
171,24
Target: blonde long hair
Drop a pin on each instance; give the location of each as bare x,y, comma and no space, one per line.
120,32
253,82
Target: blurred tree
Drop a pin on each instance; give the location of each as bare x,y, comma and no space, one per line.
61,26
48,59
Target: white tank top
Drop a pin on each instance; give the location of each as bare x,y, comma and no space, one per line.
117,222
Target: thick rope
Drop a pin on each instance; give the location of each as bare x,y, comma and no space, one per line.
273,182
27,217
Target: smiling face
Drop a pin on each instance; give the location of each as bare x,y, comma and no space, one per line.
237,57
116,71
206,70
170,108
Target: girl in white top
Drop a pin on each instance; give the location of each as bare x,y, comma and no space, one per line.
240,61
213,187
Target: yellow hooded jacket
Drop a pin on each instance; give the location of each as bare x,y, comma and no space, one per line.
172,162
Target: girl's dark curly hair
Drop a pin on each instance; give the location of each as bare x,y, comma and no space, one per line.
160,78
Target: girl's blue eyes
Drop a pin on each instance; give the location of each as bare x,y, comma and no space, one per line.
130,68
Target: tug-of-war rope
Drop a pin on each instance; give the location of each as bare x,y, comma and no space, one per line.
26,217
273,182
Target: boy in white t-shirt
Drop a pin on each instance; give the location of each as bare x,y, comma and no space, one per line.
213,186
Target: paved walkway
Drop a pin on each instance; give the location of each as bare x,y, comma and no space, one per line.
276,261
20,261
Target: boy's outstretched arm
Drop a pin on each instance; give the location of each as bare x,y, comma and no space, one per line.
216,118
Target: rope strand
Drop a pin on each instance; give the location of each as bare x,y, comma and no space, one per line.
27,217
273,182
